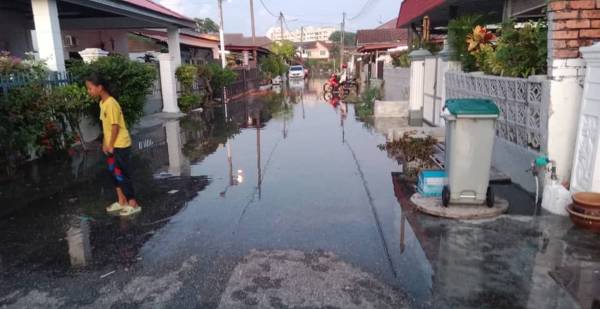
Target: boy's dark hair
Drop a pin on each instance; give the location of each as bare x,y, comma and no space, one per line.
98,80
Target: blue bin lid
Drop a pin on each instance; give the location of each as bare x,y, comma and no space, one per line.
472,107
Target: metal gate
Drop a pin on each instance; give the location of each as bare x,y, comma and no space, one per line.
432,96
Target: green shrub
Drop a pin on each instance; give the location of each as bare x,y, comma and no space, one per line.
188,102
130,82
187,75
219,77
24,114
273,66
70,104
366,106
521,52
401,59
458,30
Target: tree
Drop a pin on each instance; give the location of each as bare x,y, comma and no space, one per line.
349,38
206,25
273,66
286,50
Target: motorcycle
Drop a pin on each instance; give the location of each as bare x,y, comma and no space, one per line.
333,84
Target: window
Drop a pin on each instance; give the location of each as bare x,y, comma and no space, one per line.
308,53
322,53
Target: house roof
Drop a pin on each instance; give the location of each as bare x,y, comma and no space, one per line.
412,9
153,6
190,39
440,12
312,44
391,24
376,46
381,36
238,39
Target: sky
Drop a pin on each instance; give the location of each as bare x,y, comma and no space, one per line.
361,14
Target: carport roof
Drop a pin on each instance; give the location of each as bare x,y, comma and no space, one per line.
441,11
153,6
143,10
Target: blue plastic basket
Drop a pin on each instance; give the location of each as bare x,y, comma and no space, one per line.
431,182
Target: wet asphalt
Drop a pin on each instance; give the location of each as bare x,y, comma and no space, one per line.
285,203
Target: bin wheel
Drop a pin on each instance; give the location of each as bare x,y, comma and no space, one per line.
490,198
446,196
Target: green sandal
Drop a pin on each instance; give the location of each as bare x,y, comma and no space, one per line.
128,211
115,207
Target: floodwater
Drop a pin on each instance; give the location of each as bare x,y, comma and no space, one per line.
281,201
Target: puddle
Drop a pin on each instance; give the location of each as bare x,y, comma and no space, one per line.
287,172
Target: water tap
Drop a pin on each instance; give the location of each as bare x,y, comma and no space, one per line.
542,162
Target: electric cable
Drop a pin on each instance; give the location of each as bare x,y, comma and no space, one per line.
363,10
267,9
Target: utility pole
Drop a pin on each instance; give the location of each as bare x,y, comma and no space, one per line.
281,24
254,55
342,42
223,60
301,41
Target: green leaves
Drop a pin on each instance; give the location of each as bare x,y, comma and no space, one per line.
130,81
522,51
458,30
286,50
273,66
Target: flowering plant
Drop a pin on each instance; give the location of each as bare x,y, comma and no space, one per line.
479,38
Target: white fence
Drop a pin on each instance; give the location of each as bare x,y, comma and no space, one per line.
523,105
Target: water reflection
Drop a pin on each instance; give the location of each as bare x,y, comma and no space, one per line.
273,174
78,239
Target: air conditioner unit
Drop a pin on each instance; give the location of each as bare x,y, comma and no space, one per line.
70,41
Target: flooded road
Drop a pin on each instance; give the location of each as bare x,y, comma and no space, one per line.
284,202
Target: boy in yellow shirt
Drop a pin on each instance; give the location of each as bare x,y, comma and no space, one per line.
116,145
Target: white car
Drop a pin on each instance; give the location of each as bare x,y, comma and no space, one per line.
296,71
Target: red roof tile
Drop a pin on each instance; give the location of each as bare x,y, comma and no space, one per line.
153,6
391,24
381,36
411,9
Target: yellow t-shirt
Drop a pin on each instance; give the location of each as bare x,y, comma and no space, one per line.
110,113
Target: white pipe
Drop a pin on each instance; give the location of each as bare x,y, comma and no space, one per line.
537,190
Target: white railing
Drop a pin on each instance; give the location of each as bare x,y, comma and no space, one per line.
523,104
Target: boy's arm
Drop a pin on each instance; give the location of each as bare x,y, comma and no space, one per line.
114,132
113,114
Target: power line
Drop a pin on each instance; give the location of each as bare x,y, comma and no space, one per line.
363,10
267,9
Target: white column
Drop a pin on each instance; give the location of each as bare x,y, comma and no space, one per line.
417,75
246,56
47,30
586,165
565,80
178,165
444,65
174,46
168,83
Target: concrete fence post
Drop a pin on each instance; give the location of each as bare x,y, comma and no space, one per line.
417,78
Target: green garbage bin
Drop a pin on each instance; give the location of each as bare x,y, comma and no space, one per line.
470,133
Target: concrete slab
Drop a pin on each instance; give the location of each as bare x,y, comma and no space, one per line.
391,109
433,206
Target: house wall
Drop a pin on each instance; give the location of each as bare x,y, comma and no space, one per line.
573,24
113,41
396,83
316,53
18,39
